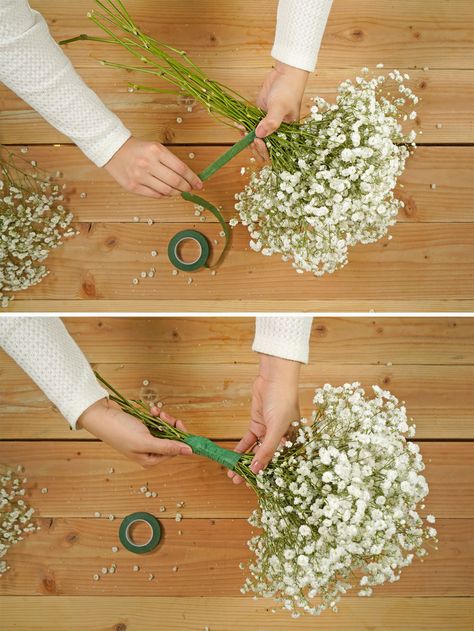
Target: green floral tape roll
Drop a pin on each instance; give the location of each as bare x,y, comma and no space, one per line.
134,518
186,235
205,447
200,201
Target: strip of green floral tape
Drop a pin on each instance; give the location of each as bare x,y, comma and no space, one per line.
228,155
205,447
206,174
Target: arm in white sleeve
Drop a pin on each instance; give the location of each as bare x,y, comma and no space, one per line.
299,31
286,337
37,70
43,348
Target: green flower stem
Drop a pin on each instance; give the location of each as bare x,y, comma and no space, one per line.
175,67
238,462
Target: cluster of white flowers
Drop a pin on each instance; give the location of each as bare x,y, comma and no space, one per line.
341,190
339,502
33,221
15,514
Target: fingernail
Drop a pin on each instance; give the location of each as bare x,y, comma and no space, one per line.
199,184
186,451
255,466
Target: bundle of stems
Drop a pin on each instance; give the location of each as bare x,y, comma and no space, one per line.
240,463
16,171
175,66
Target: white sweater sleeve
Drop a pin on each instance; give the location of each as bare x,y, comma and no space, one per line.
49,355
37,70
282,336
299,31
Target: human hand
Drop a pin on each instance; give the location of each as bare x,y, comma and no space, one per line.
150,169
274,406
280,96
128,435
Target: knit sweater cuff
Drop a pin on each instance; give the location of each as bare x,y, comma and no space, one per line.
101,150
299,31
87,395
286,337
43,348
34,67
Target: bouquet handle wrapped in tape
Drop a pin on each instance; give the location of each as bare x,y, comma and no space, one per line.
238,462
205,447
338,503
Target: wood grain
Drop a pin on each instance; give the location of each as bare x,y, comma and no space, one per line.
202,368
140,613
76,476
450,168
358,33
214,399
335,340
62,558
424,268
421,263
183,340
153,116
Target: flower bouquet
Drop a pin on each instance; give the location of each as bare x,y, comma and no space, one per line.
337,505
332,175
33,221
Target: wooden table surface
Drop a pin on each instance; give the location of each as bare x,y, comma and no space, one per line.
202,370
427,266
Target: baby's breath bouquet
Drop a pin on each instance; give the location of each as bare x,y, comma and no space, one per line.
338,503
33,221
332,175
341,192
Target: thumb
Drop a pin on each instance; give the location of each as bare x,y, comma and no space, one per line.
271,122
265,453
166,447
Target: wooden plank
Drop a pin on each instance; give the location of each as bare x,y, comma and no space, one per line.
63,557
214,399
76,476
415,33
153,116
435,307
92,613
421,263
451,168
334,340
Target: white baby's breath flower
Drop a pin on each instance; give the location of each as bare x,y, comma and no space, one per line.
340,190
15,513
33,222
343,496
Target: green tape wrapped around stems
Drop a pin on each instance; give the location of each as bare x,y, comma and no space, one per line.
238,462
205,447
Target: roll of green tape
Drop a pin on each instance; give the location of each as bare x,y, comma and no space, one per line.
200,201
134,518
186,235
